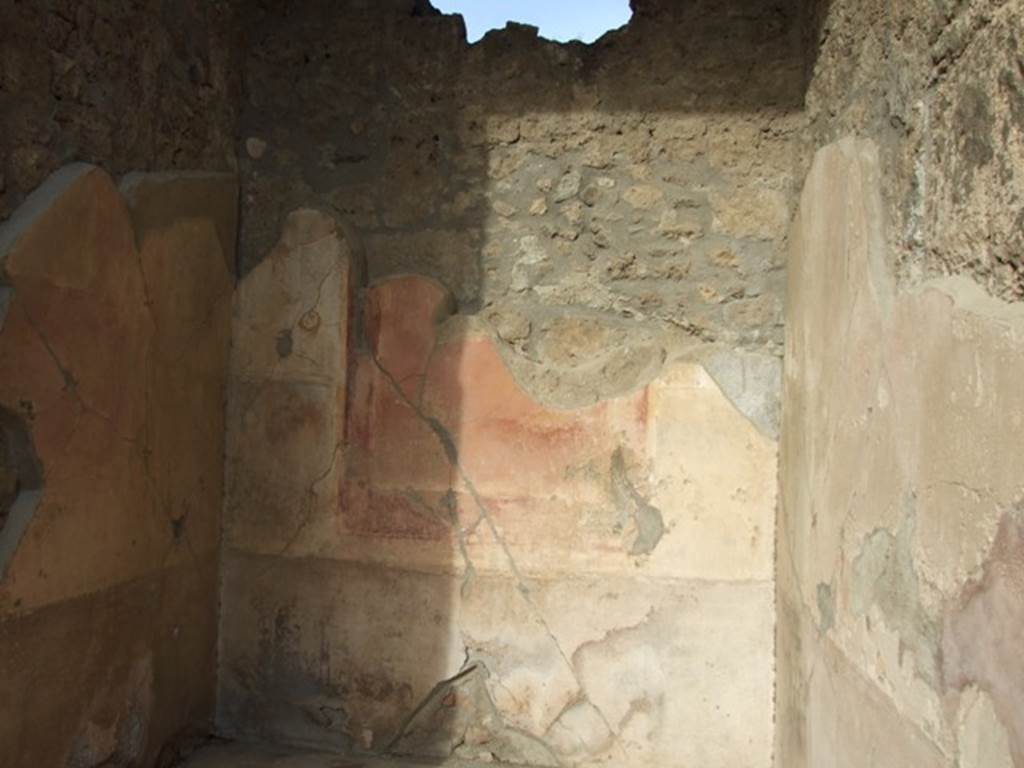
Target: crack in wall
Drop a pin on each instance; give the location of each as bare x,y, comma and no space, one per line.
179,530
450,449
451,522
309,500
458,716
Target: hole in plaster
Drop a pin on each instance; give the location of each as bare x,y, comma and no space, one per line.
21,482
564,21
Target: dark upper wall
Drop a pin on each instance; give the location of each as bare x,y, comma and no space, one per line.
129,86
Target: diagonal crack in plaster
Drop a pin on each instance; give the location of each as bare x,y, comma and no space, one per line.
308,503
142,445
450,449
450,521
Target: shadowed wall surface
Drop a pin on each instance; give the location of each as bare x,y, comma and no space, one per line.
139,86
112,356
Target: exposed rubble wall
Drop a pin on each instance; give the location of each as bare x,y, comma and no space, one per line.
129,86
112,365
939,87
647,177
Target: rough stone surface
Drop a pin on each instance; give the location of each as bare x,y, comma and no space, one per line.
129,86
444,564
900,578
939,86
646,178
112,357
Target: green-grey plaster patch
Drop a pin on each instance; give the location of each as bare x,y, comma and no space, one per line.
6,294
752,381
884,576
826,607
283,343
650,525
38,203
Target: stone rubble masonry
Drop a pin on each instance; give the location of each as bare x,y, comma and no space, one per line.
420,556
939,86
137,86
645,181
900,579
112,357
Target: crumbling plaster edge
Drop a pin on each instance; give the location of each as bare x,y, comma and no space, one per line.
452,327
969,297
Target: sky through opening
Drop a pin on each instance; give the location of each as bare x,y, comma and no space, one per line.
561,20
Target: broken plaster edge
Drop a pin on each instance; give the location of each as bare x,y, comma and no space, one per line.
969,297
459,327
18,519
38,203
24,218
966,294
132,181
452,326
135,185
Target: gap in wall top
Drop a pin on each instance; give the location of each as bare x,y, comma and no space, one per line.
566,21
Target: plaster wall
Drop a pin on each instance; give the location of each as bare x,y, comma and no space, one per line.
898,501
428,561
114,324
899,538
113,345
504,401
